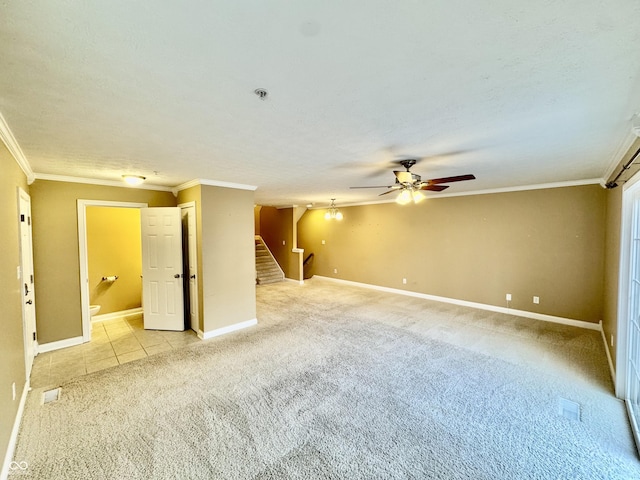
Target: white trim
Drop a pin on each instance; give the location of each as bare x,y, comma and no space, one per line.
13,440
629,191
608,352
84,257
520,188
299,282
67,342
211,183
94,181
228,329
122,313
618,155
6,135
464,303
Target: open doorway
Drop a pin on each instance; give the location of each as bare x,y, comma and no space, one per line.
86,283
97,282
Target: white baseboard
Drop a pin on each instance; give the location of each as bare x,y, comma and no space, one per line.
224,330
122,313
67,342
299,282
8,457
612,369
464,303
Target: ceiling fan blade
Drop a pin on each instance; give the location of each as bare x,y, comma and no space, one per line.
458,178
434,188
377,186
389,191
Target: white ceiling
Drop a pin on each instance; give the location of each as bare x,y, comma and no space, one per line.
518,92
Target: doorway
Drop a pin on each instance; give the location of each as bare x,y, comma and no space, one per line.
84,257
628,355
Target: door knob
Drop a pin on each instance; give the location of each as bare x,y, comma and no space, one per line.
192,276
29,302
177,275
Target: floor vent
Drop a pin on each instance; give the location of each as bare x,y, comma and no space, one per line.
51,396
569,409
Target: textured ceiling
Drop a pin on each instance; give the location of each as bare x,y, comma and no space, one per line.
518,93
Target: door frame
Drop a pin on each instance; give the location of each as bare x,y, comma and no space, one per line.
184,206
84,257
27,329
630,197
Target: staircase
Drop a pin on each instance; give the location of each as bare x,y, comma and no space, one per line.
267,269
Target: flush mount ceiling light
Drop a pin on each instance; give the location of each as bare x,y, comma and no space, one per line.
133,179
333,211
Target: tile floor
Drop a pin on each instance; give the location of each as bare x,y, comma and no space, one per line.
113,342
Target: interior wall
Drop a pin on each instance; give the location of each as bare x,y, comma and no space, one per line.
228,257
56,262
256,219
194,194
11,339
276,228
114,247
547,243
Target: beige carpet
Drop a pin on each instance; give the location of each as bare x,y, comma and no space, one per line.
342,382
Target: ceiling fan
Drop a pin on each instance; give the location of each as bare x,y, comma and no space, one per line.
410,184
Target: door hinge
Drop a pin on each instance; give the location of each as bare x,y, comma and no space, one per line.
28,220
34,336
31,276
22,217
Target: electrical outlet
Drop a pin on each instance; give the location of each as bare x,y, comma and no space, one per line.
508,297
404,281
283,242
18,272
335,270
13,389
323,242
536,299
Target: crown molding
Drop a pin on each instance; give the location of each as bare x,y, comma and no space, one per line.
211,183
12,145
93,181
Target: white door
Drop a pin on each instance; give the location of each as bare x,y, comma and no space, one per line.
162,301
189,220
26,278
633,323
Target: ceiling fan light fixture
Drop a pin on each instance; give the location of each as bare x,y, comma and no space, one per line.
404,197
417,196
333,212
133,180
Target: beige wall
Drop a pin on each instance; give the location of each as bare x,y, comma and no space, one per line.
11,340
256,219
114,248
548,243
276,227
194,194
228,257
56,262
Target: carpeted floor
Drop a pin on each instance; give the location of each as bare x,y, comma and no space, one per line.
342,382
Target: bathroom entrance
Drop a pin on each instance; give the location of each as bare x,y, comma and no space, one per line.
111,261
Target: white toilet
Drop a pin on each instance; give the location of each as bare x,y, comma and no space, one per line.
94,309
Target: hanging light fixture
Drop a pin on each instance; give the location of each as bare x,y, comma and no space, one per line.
408,195
333,211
